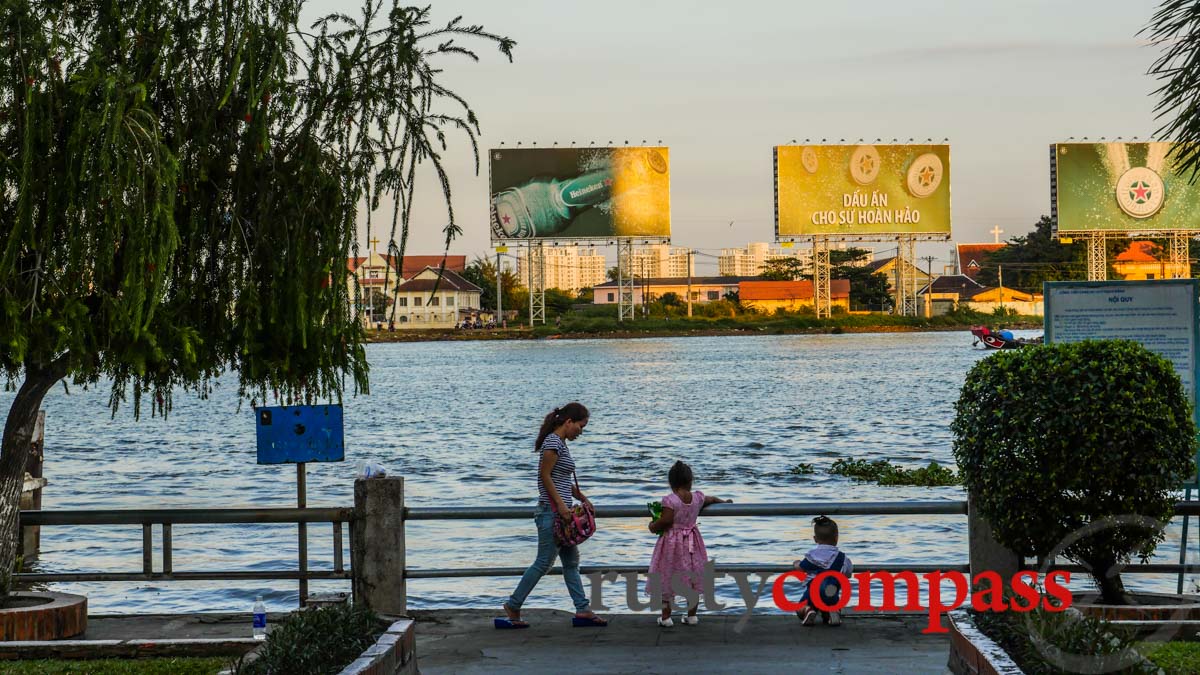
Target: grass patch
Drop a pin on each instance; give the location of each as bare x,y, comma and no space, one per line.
723,315
884,472
1175,658
802,469
157,666
322,640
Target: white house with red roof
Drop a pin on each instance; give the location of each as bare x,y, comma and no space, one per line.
378,275
430,301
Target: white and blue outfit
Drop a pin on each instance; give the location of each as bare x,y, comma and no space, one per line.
562,475
822,558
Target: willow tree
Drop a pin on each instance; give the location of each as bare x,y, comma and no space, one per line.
1175,28
181,183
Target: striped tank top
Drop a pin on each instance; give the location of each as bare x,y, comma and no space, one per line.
562,474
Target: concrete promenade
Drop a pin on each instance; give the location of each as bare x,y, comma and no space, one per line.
464,641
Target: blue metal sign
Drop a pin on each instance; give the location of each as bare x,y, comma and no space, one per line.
299,433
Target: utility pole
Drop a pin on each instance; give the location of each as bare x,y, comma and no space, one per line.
1000,269
689,289
928,286
499,292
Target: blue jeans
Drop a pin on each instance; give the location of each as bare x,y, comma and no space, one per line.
548,549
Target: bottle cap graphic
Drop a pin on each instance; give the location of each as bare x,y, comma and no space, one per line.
655,161
864,164
925,175
1140,192
808,159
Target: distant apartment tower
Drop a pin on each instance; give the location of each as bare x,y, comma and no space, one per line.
568,268
749,261
661,261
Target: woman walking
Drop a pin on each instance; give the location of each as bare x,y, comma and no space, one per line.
557,490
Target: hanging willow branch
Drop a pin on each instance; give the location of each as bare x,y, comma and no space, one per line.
182,182
1175,27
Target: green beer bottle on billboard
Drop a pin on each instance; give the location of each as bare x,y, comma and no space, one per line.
543,208
580,193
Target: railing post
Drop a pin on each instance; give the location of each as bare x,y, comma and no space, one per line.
377,545
985,552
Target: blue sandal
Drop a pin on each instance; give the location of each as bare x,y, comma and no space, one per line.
502,623
588,622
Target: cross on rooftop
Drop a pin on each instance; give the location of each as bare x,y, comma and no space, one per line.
996,232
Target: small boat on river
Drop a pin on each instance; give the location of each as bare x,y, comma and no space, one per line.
1001,339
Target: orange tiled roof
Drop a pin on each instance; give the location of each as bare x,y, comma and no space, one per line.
789,290
1138,251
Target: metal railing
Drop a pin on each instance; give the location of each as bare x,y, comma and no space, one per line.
892,508
166,518
393,562
909,508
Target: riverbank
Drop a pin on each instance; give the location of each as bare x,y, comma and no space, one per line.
610,328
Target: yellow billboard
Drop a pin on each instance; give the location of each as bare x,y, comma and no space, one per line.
862,190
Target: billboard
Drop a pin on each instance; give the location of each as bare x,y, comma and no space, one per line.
862,190
1121,187
580,193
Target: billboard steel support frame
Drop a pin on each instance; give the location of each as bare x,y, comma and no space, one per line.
537,283
1180,253
1097,257
821,274
624,279
906,278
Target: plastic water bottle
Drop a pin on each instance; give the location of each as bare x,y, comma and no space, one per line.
260,619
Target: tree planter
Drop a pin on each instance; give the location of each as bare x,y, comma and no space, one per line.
394,653
973,653
26,616
1151,607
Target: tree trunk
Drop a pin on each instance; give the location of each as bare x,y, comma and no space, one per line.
1112,589
14,453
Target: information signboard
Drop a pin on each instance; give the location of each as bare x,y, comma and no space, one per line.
1160,315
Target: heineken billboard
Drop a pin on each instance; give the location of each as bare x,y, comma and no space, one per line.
1123,187
862,190
580,193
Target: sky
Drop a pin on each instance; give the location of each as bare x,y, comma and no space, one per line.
722,83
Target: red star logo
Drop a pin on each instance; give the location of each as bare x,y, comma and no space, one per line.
506,219
607,182
1140,191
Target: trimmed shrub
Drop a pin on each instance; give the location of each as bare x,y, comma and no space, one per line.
1053,439
315,642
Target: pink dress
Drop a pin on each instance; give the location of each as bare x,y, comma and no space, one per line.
681,550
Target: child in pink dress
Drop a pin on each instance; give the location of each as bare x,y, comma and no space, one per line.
679,554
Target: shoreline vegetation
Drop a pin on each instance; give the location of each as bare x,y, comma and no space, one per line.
607,327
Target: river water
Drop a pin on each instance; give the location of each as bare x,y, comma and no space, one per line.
457,420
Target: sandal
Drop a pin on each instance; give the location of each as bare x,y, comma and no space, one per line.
588,622
502,623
